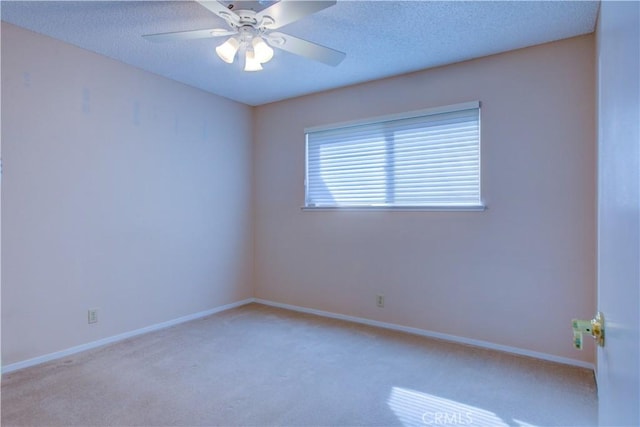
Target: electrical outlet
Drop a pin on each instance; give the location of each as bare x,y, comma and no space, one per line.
380,300
93,315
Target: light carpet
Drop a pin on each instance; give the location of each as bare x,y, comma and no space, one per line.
263,366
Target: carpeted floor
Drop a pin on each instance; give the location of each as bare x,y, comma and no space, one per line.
262,366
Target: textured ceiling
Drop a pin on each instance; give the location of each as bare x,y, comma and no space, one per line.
380,38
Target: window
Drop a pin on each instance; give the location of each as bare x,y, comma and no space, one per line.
427,159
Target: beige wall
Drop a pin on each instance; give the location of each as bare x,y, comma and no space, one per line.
121,190
513,275
131,193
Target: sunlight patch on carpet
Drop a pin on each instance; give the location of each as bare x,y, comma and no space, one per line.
522,423
414,408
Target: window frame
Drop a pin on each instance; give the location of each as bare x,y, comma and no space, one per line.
390,118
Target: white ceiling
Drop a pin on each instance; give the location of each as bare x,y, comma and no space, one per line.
380,38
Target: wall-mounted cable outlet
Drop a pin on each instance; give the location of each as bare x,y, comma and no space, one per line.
92,315
380,300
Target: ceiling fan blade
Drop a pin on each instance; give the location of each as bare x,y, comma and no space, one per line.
188,35
304,48
285,12
221,10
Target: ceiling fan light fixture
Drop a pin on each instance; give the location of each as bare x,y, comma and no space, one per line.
250,61
263,52
252,32
227,50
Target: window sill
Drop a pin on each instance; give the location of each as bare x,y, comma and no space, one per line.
397,208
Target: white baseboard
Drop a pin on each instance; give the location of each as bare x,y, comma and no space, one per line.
416,331
83,347
430,334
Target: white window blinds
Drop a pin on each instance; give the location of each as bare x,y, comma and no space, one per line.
427,159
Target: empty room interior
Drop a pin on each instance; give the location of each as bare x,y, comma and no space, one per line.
288,213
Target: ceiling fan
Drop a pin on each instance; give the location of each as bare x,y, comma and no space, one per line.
251,31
